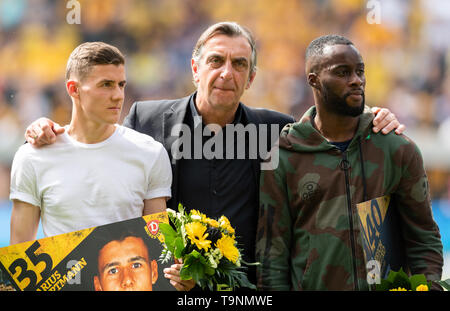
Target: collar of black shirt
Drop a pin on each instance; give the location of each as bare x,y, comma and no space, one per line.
197,120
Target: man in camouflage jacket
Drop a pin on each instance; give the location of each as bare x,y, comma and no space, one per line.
309,236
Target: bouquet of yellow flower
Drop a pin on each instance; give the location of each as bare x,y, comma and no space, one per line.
400,281
207,248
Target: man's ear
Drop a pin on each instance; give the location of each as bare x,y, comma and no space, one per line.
154,269
97,285
72,88
313,80
250,80
194,68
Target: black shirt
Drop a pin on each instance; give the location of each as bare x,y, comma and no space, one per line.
342,145
219,187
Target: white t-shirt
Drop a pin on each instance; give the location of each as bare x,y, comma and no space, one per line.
79,186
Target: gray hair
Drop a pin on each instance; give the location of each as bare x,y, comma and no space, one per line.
231,29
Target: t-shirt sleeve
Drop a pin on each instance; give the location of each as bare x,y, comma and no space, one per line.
160,177
23,179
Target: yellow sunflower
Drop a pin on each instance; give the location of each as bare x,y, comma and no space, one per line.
212,222
228,249
399,289
198,215
422,288
196,233
224,223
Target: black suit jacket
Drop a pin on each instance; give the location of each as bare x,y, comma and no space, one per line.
157,118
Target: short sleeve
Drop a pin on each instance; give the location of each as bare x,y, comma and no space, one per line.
23,179
160,177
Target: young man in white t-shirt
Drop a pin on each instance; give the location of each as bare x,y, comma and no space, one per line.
97,172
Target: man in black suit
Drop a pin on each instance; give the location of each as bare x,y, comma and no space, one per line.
223,67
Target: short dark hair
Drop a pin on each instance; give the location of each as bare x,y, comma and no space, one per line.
90,54
315,48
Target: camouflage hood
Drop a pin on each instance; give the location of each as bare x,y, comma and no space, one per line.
303,137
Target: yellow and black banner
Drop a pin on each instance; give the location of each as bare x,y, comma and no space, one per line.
118,256
381,236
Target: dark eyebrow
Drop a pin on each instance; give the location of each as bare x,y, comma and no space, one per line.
215,55
105,80
240,59
337,66
221,57
111,81
110,265
116,263
137,258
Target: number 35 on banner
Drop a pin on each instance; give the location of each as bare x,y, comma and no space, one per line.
32,268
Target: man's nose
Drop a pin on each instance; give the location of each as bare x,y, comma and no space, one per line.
127,279
357,80
118,93
227,70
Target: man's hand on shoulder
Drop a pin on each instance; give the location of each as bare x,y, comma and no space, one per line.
386,121
43,132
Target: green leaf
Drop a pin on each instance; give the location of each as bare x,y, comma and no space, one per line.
445,284
418,279
401,280
383,286
179,247
391,276
181,208
194,265
165,256
185,273
168,232
209,270
242,280
193,255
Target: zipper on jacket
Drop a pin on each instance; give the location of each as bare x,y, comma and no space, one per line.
345,165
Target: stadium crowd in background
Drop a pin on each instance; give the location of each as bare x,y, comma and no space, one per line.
407,56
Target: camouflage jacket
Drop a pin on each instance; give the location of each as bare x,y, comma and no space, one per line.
309,233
